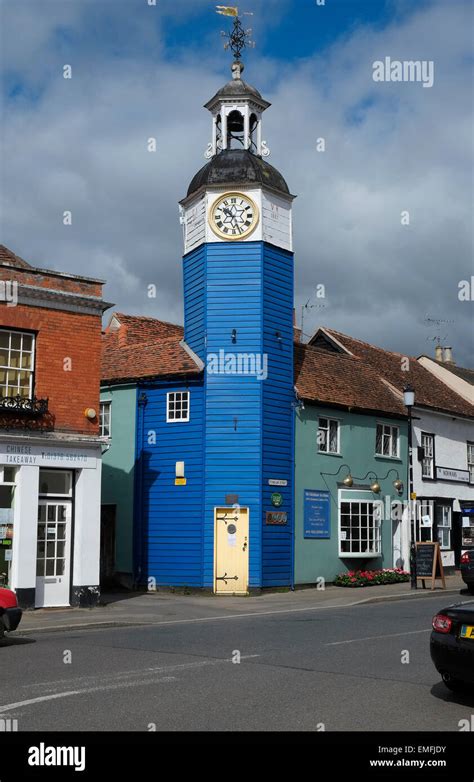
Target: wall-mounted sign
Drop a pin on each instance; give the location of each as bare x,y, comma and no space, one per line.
317,514
277,482
450,474
48,456
276,517
277,499
8,555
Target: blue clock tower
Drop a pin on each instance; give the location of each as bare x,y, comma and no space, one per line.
238,292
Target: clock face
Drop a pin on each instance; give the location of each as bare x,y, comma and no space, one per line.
234,216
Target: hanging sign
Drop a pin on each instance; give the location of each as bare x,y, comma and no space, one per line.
317,514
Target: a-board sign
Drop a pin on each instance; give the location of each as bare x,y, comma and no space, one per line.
429,563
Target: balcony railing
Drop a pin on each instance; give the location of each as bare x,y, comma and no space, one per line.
24,406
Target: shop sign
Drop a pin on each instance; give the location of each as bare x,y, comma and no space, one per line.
276,518
277,482
47,456
317,519
450,474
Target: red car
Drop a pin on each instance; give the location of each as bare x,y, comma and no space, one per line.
10,614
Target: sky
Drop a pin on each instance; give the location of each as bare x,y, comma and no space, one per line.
383,217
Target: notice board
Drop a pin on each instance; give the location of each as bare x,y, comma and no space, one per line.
317,514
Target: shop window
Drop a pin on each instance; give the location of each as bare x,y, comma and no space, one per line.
328,435
427,464
359,529
443,519
425,521
57,483
17,350
470,461
386,440
105,419
177,406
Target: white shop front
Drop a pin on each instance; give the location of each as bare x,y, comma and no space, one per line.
50,521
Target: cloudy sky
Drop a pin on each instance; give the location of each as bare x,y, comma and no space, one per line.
141,71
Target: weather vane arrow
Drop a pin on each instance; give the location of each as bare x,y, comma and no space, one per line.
238,38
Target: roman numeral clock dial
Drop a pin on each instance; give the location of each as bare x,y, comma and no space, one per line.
234,216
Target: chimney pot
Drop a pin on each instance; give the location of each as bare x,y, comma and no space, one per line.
438,353
448,356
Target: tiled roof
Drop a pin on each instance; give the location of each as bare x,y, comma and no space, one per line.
144,347
338,379
430,392
8,258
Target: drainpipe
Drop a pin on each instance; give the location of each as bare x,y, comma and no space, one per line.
138,493
292,504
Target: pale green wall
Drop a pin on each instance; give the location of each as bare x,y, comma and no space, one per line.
320,558
118,470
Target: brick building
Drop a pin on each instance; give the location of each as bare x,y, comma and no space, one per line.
50,444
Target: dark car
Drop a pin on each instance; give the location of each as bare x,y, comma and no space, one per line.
467,569
10,614
452,645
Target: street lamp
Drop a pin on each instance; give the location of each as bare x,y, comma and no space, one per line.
409,401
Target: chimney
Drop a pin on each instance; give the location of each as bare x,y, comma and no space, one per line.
448,356
439,353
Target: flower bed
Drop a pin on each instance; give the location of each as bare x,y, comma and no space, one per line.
362,578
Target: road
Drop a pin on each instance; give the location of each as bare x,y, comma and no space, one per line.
340,668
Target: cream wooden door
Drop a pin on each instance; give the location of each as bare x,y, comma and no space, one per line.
231,557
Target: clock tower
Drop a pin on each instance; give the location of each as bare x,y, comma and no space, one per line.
238,293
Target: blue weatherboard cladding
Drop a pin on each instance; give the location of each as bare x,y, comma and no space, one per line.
278,396
168,518
246,287
194,274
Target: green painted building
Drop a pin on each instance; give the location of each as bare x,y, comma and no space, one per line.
351,452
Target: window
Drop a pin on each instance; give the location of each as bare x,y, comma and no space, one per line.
16,363
443,518
359,529
105,419
386,440
177,406
425,521
427,464
470,461
55,483
328,435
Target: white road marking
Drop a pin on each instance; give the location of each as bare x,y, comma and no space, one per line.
9,707
378,637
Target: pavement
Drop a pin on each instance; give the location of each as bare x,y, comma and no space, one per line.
124,609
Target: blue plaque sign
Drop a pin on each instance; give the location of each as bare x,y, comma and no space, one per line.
317,518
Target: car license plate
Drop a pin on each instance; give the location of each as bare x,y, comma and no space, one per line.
467,631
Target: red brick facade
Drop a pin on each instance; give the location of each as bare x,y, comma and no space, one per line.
68,343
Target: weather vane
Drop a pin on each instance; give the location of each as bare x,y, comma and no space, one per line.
238,38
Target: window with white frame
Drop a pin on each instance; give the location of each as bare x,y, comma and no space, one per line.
328,435
105,419
359,529
427,464
470,461
177,408
386,440
17,350
425,521
443,519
